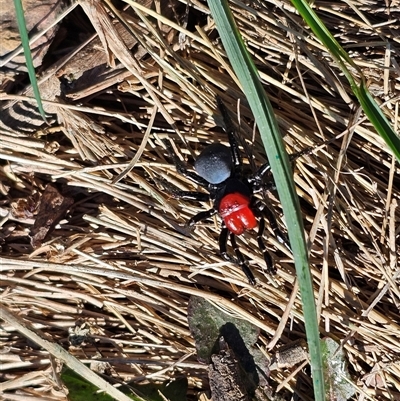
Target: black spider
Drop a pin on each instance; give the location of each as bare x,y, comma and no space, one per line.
219,171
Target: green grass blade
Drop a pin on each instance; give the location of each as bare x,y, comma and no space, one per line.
28,55
321,31
265,118
371,109
378,120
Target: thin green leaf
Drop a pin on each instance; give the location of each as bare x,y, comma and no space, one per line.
379,121
28,55
371,109
265,118
321,31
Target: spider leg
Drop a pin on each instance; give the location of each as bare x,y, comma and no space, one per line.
230,130
241,260
201,216
182,169
267,212
258,177
191,196
267,257
223,239
257,180
185,195
260,173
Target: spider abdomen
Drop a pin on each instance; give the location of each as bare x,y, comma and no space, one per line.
234,208
214,163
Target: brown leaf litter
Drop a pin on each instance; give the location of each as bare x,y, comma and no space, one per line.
120,260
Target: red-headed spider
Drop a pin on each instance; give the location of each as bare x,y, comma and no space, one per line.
219,170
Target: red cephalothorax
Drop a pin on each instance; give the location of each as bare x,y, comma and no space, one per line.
236,213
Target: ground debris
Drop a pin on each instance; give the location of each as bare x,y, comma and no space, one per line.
52,208
226,382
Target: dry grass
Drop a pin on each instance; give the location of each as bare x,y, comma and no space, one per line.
121,260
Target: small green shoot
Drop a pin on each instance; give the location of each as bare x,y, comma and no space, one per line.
28,55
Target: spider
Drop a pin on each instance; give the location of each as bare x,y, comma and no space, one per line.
219,170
